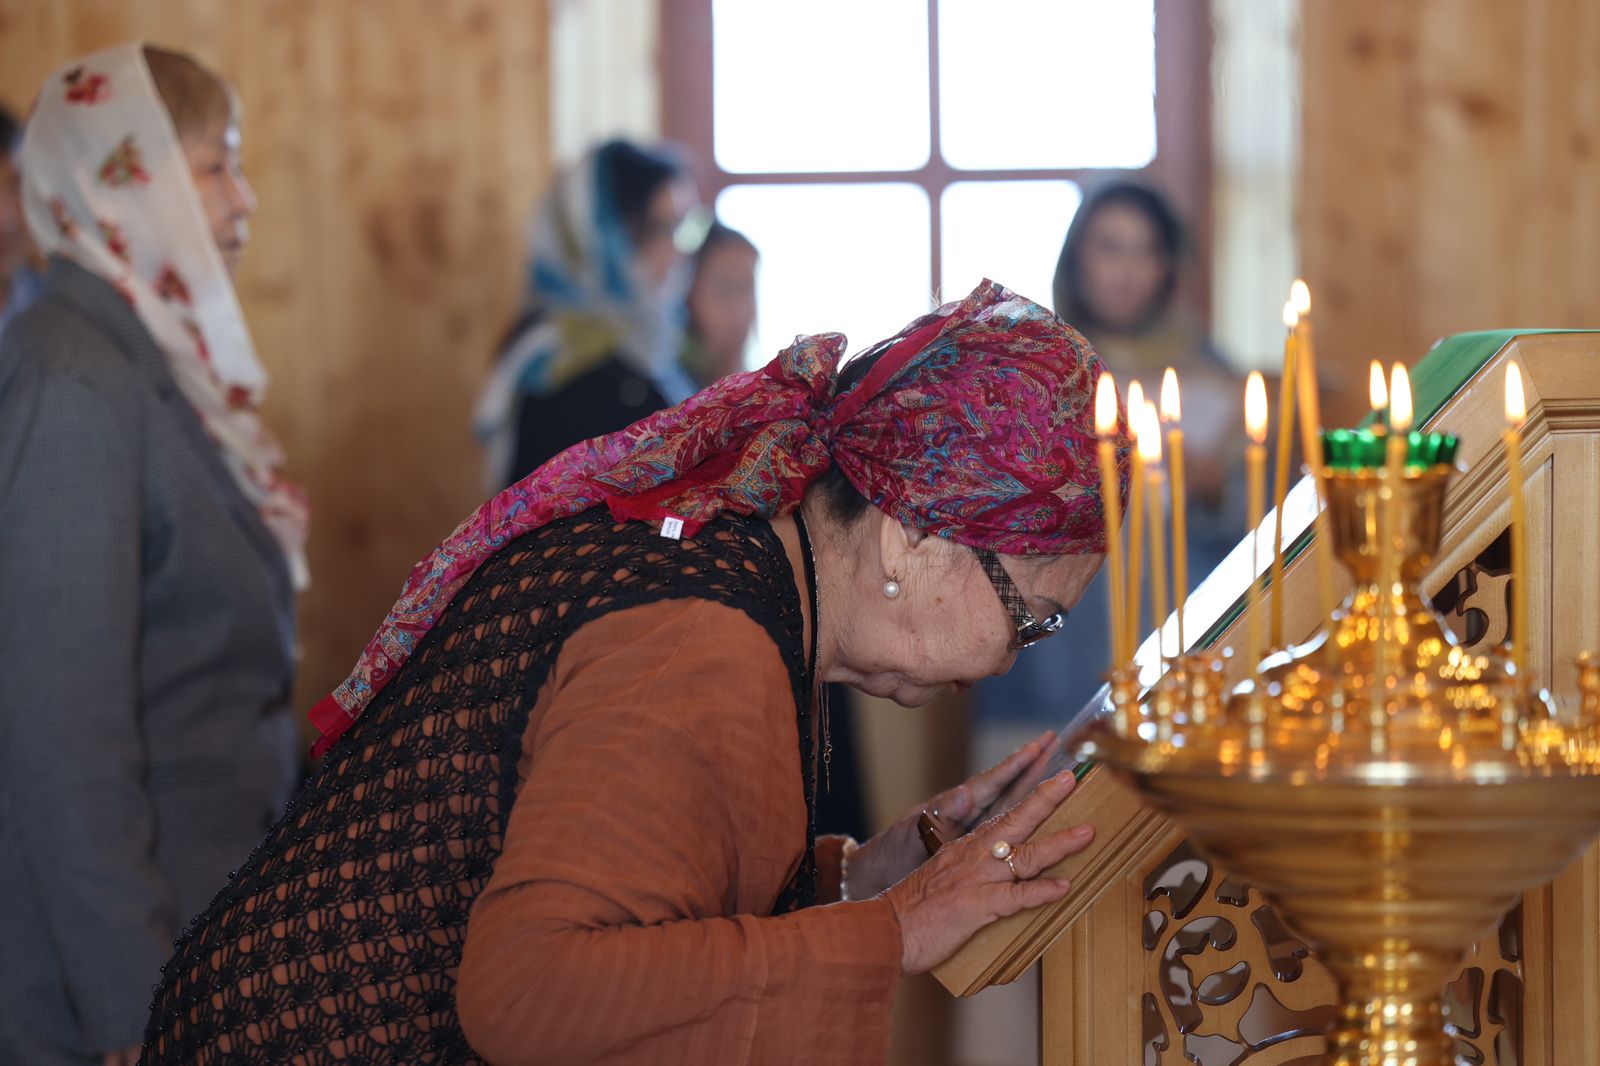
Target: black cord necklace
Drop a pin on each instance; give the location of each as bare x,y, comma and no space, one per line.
819,691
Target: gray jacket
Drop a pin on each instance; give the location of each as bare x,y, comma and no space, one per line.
146,656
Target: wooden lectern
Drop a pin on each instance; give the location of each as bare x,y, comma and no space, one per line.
1158,958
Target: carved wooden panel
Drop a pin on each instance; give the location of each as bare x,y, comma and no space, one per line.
1484,1003
1228,985
1476,602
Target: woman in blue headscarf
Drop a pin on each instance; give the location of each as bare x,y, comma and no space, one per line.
596,347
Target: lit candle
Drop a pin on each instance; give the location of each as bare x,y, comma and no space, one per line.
1105,427
1255,424
1310,436
1304,356
1280,484
1172,415
1388,559
1149,438
1135,523
1516,412
1377,393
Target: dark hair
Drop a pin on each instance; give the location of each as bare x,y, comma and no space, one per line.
629,175
1070,304
719,236
10,130
844,502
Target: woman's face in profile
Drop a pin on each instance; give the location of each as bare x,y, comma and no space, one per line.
946,629
225,195
1122,266
659,259
722,303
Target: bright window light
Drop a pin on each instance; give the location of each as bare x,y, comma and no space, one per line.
1010,231
844,258
825,85
1030,84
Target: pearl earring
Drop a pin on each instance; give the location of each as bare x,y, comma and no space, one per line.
891,588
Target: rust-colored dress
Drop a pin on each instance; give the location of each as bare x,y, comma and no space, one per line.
572,829
659,819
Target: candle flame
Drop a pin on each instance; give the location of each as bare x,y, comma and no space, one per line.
1300,296
1516,402
1148,431
1377,388
1255,407
1171,407
1291,317
1105,406
1135,405
1400,399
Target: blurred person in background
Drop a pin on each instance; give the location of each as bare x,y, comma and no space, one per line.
721,304
1116,281
721,313
19,275
150,558
597,345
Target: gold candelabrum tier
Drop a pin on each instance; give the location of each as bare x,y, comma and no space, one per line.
1392,793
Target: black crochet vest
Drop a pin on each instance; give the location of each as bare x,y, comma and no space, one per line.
340,938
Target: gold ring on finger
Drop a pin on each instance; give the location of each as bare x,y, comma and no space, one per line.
1003,851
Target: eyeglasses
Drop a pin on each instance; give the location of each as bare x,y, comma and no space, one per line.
1030,630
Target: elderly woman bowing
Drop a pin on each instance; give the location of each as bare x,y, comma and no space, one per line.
566,812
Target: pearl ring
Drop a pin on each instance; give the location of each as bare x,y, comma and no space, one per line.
1003,851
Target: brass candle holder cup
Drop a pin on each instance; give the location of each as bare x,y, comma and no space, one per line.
1390,792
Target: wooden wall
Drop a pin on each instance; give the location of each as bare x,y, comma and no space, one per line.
1451,170
396,147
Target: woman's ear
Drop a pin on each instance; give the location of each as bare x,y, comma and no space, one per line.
898,543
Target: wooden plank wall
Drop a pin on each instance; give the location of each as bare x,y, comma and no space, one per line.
396,147
1450,172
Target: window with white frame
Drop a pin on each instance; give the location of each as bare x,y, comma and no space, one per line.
889,154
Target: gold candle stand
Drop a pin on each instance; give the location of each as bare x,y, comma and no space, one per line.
1388,864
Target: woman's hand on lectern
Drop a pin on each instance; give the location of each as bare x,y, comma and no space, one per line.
894,853
985,875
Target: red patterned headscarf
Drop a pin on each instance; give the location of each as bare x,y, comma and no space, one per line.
975,423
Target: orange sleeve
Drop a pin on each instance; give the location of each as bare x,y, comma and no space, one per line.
661,814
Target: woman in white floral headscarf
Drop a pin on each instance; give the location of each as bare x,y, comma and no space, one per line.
151,551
